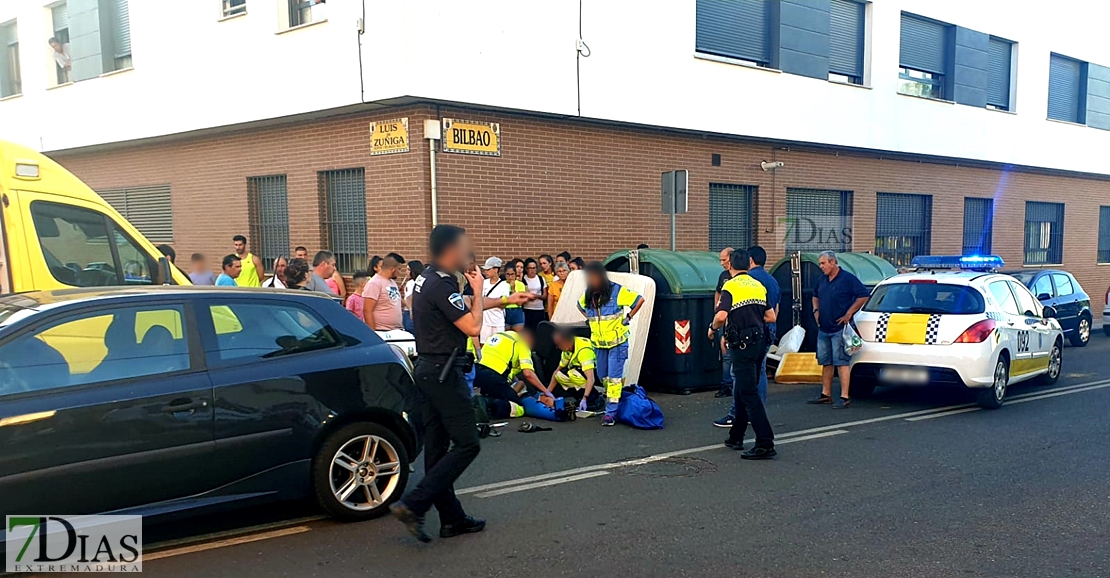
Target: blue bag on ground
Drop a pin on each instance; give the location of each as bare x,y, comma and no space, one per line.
639,411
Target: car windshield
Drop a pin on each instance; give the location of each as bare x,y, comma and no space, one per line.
1026,277
926,298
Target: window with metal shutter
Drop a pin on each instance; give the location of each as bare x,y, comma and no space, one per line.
818,220
60,15
1104,234
846,38
734,28
730,216
924,45
1065,77
148,209
978,225
998,73
268,214
1044,233
123,30
902,226
343,209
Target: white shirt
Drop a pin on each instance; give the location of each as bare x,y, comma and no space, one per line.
408,293
535,285
274,282
494,316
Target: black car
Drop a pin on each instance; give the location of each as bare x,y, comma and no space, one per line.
169,400
1060,290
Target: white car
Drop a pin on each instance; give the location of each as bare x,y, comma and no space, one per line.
981,330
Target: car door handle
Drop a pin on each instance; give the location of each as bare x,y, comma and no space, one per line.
184,405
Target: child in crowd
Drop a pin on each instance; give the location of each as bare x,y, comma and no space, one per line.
354,301
514,315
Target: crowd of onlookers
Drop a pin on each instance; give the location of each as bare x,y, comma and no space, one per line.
381,295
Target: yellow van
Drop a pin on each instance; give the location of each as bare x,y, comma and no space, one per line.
56,232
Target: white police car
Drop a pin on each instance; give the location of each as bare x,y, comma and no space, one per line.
953,321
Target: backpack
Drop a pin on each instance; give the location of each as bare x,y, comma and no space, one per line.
636,409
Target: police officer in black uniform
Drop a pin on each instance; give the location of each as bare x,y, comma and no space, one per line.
443,319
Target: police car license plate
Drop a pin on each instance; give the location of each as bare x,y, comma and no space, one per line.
904,375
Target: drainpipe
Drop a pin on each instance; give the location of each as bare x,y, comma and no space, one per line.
432,133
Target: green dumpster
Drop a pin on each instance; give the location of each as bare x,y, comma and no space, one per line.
685,283
869,268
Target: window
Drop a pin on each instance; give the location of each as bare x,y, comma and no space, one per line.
1104,234
1064,286
257,331
268,213
730,216
121,33
1066,89
100,31
1003,297
301,12
59,15
148,209
925,298
343,208
902,226
10,82
1042,287
233,7
923,57
998,73
1026,304
75,245
818,220
97,347
736,29
1044,233
978,225
846,41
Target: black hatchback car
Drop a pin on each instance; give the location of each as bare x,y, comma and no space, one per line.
1060,290
168,400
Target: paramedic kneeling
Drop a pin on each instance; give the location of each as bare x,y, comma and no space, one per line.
744,311
576,376
506,355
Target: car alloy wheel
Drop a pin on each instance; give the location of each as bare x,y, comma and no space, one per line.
991,397
1054,363
365,472
1084,330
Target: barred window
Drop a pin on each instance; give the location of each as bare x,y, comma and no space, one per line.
343,208
1044,233
902,225
268,214
1104,234
978,225
148,209
817,220
730,216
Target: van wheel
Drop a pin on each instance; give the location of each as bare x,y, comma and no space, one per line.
359,471
991,397
1055,365
1082,335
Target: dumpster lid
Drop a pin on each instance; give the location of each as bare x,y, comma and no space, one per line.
685,271
871,269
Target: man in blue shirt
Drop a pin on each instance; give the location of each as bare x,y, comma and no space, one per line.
758,260
232,266
839,295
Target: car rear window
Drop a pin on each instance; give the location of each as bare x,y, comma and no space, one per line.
926,298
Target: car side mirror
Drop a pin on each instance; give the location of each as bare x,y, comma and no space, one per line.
164,277
1044,297
1049,312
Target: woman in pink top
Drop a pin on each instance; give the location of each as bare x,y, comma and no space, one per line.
354,300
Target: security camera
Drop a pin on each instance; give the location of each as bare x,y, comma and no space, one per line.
766,166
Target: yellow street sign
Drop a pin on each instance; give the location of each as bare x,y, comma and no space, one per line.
389,136
472,138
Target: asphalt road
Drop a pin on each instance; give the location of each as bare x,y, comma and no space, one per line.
893,486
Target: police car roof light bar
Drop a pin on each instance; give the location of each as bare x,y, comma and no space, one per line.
964,262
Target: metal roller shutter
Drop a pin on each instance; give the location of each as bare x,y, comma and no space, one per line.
978,226
735,28
123,29
1104,234
846,38
816,220
998,73
148,209
268,213
730,216
343,200
1064,79
923,45
902,226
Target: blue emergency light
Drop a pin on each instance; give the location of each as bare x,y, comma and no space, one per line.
965,262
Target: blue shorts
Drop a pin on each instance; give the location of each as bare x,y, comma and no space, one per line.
830,349
514,317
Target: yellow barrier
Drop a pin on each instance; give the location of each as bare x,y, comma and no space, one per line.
798,368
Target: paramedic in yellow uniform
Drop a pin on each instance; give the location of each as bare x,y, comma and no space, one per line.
576,376
505,356
604,305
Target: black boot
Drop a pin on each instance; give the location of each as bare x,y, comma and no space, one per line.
468,525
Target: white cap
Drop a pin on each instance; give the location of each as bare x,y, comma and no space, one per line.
492,262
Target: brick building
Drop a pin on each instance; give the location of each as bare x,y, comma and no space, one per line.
901,126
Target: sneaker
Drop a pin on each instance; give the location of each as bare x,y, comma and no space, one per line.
819,400
759,454
737,445
723,422
608,421
842,402
725,391
469,525
413,523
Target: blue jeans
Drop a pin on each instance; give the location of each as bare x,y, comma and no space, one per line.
406,321
610,372
762,386
830,349
726,367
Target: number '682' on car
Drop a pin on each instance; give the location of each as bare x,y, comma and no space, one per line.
166,400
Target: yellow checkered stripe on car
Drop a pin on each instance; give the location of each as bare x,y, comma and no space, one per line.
908,328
